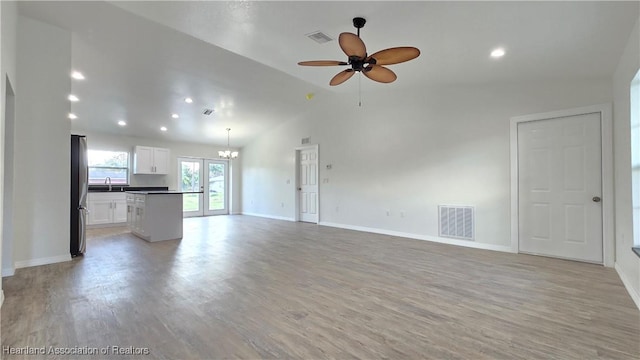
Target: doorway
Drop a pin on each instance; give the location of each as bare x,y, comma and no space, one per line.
7,195
561,187
307,189
211,178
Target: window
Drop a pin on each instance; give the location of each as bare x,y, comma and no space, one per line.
112,164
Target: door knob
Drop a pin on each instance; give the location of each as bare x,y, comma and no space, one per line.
596,199
299,189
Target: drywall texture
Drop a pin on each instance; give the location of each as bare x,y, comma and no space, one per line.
42,155
406,153
101,141
8,20
627,263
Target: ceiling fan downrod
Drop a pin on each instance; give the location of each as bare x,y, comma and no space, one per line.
358,23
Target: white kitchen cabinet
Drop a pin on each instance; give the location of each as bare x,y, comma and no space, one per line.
150,160
106,208
156,216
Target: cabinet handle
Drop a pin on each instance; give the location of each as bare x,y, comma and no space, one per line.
115,205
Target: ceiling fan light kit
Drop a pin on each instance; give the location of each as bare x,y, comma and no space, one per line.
371,66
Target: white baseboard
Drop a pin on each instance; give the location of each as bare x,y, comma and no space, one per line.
102,226
1,297
8,272
269,216
42,261
471,244
627,284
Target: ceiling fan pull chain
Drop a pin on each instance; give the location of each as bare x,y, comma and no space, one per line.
360,88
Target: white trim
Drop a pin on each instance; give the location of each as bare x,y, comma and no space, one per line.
42,261
8,272
606,132
465,243
635,296
268,216
297,180
1,297
102,226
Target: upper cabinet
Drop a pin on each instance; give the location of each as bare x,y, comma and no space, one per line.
150,160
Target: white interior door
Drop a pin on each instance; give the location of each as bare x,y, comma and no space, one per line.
308,185
216,187
559,187
190,178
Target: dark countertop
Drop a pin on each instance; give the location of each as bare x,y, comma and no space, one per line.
162,192
120,188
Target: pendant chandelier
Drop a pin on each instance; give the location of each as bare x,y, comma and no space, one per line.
228,154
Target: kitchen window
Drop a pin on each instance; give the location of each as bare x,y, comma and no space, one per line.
112,164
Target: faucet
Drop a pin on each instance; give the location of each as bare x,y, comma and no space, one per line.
107,180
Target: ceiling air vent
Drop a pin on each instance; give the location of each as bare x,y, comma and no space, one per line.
208,111
319,37
305,140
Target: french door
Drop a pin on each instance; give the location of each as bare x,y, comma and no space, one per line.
211,178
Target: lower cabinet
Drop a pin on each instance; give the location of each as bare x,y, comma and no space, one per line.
106,208
155,217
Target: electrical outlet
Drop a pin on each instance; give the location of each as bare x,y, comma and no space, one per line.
329,166
401,214
325,180
282,204
288,181
337,208
388,212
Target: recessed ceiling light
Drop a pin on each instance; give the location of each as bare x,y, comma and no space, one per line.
122,123
175,116
77,75
73,98
72,116
163,129
497,53
188,100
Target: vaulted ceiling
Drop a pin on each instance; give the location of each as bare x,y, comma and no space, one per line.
142,59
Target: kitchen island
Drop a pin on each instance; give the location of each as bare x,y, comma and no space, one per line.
155,215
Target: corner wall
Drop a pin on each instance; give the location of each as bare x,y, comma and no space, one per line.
8,28
406,153
627,263
42,144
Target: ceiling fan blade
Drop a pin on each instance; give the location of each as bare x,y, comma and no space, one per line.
322,63
380,74
352,45
395,55
341,77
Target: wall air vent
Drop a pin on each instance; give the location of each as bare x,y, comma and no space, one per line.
319,37
457,222
208,111
305,140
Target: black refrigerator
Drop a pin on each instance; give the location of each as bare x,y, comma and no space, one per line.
79,188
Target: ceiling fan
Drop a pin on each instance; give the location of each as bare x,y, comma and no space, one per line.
370,66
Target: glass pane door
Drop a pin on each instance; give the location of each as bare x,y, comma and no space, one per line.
190,178
216,187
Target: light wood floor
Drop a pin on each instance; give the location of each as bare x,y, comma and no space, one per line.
245,287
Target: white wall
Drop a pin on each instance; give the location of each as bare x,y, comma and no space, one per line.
8,20
102,141
627,263
42,144
407,152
